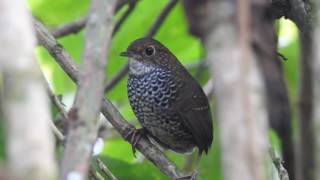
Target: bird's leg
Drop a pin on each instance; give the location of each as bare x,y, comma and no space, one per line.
192,176
133,137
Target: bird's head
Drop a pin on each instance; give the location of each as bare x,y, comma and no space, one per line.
148,51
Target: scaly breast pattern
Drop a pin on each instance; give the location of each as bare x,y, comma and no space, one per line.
151,97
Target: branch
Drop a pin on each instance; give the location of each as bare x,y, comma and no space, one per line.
70,28
300,15
132,5
117,78
296,10
30,144
82,131
152,31
61,138
105,170
111,113
55,100
77,25
162,16
306,139
316,88
56,50
283,174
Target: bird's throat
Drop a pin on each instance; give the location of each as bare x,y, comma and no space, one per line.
139,68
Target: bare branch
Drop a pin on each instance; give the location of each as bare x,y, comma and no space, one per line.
95,175
30,145
117,78
316,87
283,174
77,25
300,15
61,138
306,154
296,10
55,100
109,111
132,5
56,50
82,131
105,170
70,28
159,20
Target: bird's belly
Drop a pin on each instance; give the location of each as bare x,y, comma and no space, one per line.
150,99
166,128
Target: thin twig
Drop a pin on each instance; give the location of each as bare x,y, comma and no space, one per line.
111,113
162,16
95,174
105,170
77,25
60,106
57,132
61,138
283,57
117,78
70,28
132,5
152,31
283,174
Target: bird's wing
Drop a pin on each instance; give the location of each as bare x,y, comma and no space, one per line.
194,109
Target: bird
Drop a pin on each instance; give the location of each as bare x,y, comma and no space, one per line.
169,103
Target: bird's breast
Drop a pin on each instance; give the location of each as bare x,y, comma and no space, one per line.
156,89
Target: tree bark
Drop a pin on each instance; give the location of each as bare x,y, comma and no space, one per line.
239,89
316,88
30,145
82,131
305,154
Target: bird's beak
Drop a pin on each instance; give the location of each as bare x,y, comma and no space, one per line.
126,54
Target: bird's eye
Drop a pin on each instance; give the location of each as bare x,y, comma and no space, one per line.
150,51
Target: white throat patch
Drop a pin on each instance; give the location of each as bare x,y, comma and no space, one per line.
138,68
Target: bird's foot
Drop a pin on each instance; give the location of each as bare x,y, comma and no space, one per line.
192,176
133,137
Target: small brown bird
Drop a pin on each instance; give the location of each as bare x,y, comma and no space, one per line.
168,102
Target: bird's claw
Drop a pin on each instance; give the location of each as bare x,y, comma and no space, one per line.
192,176
133,137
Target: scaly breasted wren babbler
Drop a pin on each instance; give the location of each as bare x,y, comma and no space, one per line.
168,102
